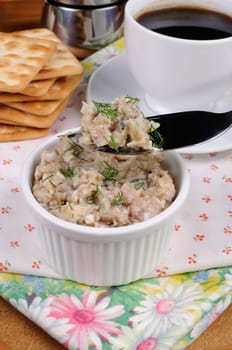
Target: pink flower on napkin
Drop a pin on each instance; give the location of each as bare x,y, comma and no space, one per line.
161,311
91,320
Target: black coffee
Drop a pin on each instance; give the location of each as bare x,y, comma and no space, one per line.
188,23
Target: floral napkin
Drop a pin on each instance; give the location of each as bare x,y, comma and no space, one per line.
166,310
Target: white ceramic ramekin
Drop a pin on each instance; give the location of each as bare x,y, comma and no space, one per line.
105,256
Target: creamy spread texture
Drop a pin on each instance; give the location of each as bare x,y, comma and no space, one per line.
92,188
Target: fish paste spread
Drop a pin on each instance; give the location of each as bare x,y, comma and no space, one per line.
97,189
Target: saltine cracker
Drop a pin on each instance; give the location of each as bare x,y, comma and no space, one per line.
21,58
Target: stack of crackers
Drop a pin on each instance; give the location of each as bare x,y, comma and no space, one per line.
38,75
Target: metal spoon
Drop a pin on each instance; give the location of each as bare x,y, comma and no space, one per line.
178,130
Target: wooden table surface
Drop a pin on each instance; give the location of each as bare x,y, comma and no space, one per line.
18,332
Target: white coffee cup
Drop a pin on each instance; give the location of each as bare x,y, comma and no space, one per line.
178,74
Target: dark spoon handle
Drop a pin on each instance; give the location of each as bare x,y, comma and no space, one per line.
191,127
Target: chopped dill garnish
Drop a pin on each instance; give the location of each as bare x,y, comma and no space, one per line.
90,199
109,172
155,136
138,185
52,183
77,150
112,144
77,154
132,99
106,109
119,200
47,178
67,172
94,194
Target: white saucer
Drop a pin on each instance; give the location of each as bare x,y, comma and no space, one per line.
113,79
